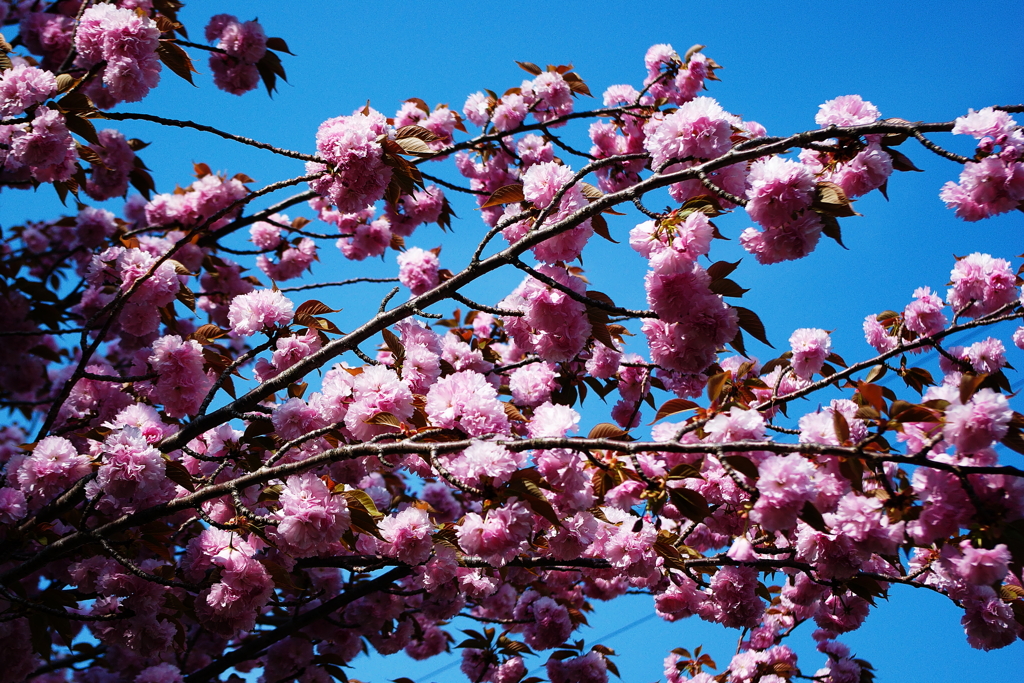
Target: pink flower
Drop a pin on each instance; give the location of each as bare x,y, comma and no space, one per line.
1018,338
132,474
810,349
532,384
366,239
408,532
311,520
501,536
791,241
976,425
417,270
700,128
981,284
53,466
988,122
736,425
548,96
293,262
867,171
358,173
877,336
509,112
251,313
925,315
466,401
477,109
377,390
982,566
161,673
181,383
127,41
554,325
846,110
13,505
47,149
485,461
986,356
110,179
23,86
986,188
245,45
786,482
778,189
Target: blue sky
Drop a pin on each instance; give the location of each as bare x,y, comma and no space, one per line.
914,60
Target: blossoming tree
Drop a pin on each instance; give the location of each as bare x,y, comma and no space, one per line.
203,475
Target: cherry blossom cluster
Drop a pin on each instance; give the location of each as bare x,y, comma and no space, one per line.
220,480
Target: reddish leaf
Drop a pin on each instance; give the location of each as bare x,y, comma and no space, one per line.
504,195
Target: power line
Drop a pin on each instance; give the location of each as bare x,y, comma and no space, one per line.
619,631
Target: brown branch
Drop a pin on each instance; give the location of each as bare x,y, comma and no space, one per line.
130,116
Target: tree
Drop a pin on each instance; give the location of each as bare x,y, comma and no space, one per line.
189,523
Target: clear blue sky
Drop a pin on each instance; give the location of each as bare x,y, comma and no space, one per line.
914,60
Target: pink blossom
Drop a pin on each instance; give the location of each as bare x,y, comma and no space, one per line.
509,112
981,284
23,86
161,673
554,325
47,34
810,349
846,110
245,45
736,425
127,41
466,401
311,519
700,128
867,171
989,187
408,532
293,262
422,206
366,239
358,175
733,601
266,235
132,473
553,420
533,149
982,566
532,384
477,109
786,243
53,466
548,96
588,668
288,352
501,536
1018,338
988,621
181,383
47,149
988,122
253,312
377,390
13,505
979,423
778,188
877,336
786,482
485,461
925,315
417,270
986,356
